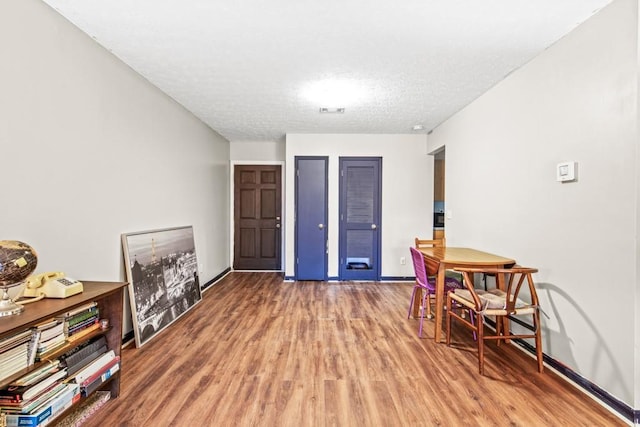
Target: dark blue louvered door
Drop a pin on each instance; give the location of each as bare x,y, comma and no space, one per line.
360,194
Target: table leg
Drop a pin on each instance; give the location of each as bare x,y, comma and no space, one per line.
439,301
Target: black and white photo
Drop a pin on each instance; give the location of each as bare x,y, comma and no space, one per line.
162,271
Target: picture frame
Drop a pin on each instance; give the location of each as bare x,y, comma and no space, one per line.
162,271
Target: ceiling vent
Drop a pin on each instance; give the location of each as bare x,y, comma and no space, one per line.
325,110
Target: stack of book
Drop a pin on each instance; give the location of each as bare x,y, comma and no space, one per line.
47,338
81,356
81,321
97,372
14,354
37,397
67,395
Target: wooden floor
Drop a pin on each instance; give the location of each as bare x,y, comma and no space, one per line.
257,351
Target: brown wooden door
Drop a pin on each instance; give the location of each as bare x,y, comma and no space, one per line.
257,214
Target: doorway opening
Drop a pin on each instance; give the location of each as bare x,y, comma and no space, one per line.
439,195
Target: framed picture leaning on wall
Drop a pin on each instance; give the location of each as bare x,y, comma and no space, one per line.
162,271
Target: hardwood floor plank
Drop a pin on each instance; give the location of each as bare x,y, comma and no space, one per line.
258,351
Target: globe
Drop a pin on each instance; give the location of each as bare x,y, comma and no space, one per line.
17,262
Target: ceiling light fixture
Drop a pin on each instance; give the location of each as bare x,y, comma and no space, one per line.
326,110
417,127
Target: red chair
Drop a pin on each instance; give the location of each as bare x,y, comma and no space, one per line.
426,271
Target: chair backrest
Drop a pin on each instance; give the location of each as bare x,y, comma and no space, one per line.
429,243
422,269
432,267
517,276
513,279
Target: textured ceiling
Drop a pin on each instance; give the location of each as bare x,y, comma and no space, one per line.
248,68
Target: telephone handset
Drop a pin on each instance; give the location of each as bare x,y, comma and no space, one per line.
50,285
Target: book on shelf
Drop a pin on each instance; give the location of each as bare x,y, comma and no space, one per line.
50,329
11,368
12,341
80,309
20,393
44,356
15,363
82,325
94,367
46,324
16,351
45,347
47,338
92,384
100,373
9,406
51,342
81,356
33,346
43,399
37,374
14,360
47,413
83,333
81,317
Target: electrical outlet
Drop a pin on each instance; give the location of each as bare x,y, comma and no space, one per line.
403,260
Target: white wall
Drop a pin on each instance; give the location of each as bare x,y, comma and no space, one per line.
264,151
637,230
91,150
407,192
576,101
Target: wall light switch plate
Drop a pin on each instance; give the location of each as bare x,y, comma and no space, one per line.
566,172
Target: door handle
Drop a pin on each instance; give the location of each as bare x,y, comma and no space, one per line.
373,226
320,226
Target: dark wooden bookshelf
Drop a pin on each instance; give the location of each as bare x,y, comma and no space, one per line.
108,295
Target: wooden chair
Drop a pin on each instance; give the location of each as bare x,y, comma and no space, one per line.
498,303
437,243
430,243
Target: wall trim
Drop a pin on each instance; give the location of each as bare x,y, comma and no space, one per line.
624,410
397,279
128,338
215,279
594,390
382,279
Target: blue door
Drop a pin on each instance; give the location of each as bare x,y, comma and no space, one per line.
311,218
360,193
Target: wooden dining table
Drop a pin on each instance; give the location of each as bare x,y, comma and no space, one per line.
449,258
